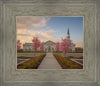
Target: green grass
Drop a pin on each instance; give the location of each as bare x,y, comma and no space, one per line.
68,52
67,63
81,57
71,56
57,52
32,63
45,52
30,52
75,52
23,57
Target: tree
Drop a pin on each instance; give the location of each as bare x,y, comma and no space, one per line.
42,46
65,45
36,43
57,47
18,45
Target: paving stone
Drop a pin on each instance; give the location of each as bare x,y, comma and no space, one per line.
49,62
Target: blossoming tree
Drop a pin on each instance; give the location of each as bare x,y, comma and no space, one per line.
65,46
42,46
36,43
57,47
18,45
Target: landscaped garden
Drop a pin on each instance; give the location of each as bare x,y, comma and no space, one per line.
67,59
66,63
33,63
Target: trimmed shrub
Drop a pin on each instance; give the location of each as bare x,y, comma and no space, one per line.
75,52
57,52
67,63
30,52
81,57
32,63
70,56
23,57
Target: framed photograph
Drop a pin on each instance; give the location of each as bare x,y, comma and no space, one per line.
50,43
45,43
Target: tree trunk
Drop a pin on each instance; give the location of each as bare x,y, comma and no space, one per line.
34,54
65,53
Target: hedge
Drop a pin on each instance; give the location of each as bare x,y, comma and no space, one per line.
67,63
75,52
23,57
32,63
81,57
30,52
71,56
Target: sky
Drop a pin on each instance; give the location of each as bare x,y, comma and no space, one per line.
50,28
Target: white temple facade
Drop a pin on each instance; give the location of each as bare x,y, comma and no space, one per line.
49,46
27,47
68,37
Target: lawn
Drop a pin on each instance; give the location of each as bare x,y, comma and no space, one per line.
67,63
30,52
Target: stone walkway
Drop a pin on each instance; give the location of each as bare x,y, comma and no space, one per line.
49,62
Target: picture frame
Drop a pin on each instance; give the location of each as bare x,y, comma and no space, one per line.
89,75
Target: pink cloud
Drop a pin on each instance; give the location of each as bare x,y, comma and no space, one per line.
25,34
78,44
26,22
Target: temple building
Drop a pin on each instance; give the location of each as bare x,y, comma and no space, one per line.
49,46
68,37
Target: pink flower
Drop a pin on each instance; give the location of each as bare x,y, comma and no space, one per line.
57,48
65,45
42,46
18,45
36,43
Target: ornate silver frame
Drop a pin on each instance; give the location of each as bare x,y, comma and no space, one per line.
88,76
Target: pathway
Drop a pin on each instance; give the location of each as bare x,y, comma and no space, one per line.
49,62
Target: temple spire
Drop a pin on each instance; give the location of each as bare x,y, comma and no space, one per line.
68,34
68,30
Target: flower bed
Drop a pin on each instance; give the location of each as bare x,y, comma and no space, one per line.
67,63
32,63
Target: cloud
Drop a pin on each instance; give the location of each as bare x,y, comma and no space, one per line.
48,35
27,35
24,35
79,44
28,22
22,42
26,29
